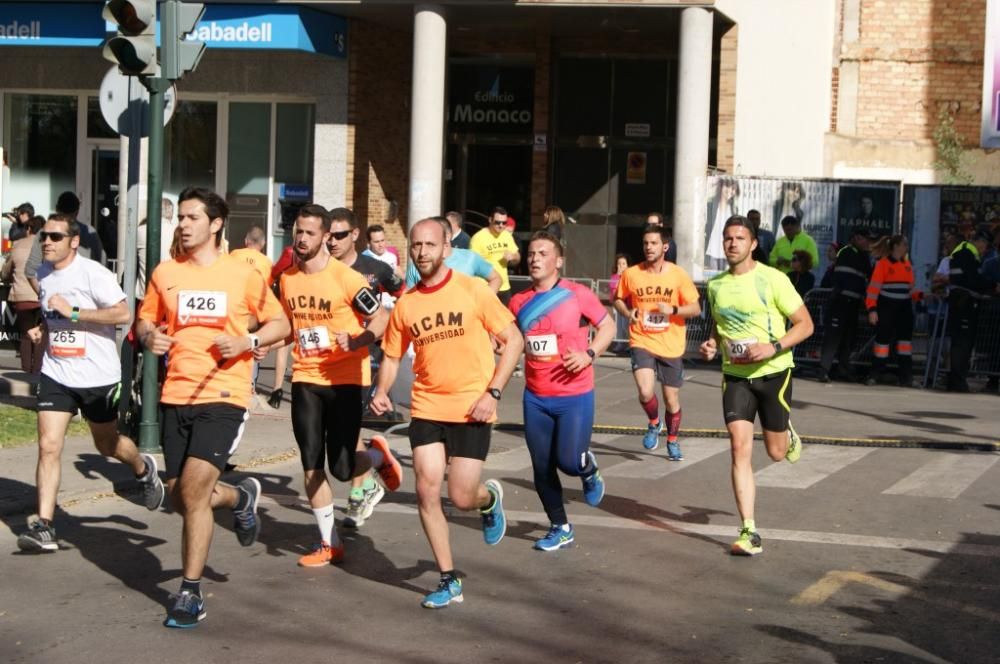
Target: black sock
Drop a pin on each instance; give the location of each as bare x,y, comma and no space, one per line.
242,500
492,503
193,587
449,576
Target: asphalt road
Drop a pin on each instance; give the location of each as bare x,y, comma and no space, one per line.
871,555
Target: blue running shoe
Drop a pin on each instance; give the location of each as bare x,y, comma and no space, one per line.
593,484
494,521
652,438
674,451
448,591
188,611
557,538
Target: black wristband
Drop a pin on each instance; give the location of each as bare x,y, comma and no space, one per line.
366,338
777,347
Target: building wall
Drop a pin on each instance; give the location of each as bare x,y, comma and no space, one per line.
782,101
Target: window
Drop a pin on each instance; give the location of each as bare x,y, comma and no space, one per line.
39,131
190,147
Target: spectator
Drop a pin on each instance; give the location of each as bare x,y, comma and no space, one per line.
22,214
24,299
850,279
620,345
90,245
765,239
378,249
889,302
794,238
801,277
831,258
459,238
553,222
497,245
991,272
967,289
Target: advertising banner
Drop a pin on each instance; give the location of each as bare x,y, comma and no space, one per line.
990,134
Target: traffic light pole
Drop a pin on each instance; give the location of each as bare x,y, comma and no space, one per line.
149,428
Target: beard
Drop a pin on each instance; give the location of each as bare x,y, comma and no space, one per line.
306,255
429,269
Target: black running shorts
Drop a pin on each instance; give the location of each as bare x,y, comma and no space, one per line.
97,404
209,431
326,421
768,396
669,370
470,440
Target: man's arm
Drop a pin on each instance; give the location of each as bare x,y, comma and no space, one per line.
387,370
513,345
494,281
577,361
114,315
801,329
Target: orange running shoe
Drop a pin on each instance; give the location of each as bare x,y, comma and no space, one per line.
390,472
322,554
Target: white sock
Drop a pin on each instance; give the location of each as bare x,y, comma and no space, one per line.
324,519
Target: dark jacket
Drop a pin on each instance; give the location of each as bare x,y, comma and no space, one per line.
851,272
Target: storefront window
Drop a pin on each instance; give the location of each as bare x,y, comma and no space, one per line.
249,148
190,147
293,162
97,127
39,135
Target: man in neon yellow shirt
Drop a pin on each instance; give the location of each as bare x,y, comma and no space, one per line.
498,247
794,240
750,305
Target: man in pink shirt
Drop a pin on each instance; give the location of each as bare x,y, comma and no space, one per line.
555,316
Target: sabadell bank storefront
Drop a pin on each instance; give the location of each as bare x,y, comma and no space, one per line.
262,120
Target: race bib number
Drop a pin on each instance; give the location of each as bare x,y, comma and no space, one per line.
739,349
313,341
68,343
542,346
206,308
655,320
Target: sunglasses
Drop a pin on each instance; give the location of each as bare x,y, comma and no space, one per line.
499,222
55,237
339,235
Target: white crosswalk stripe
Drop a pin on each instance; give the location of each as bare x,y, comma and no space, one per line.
655,464
946,476
817,463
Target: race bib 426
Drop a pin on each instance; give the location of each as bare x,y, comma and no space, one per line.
207,308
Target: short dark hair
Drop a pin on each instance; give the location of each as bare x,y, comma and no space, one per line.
549,237
658,215
316,210
68,203
740,220
35,223
790,220
72,225
374,228
658,230
343,214
215,206
25,208
497,210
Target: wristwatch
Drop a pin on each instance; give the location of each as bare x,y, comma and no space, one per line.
777,347
592,354
75,315
494,392
254,341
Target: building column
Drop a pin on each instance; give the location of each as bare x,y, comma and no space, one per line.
694,88
427,114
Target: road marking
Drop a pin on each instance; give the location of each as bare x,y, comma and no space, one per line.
655,464
947,476
723,533
817,463
836,580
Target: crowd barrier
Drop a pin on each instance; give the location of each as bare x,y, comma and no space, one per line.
985,361
817,301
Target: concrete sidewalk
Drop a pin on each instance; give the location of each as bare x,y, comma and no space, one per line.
836,413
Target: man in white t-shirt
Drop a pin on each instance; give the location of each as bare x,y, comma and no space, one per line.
81,305
378,249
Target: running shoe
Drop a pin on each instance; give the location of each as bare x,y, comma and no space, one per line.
593,484
652,438
38,537
360,510
557,538
448,591
494,520
152,485
794,445
245,521
674,451
322,554
391,471
747,544
188,611
274,401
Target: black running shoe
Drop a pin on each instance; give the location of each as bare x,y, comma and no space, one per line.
274,401
188,611
245,521
39,537
152,485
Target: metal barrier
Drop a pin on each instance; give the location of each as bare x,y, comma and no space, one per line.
985,360
817,301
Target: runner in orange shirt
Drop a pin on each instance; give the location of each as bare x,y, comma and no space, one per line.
327,303
196,311
448,317
657,296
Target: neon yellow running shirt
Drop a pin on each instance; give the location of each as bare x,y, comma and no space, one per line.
752,308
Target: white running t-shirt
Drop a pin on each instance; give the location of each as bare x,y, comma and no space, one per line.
80,354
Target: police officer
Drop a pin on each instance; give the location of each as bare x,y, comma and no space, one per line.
850,280
967,288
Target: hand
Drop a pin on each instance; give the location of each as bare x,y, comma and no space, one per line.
708,350
260,352
873,317
343,340
35,334
230,347
61,305
158,341
759,352
635,315
483,409
380,403
507,257
575,361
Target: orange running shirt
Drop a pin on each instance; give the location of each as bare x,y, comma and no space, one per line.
662,335
449,326
198,303
257,260
319,305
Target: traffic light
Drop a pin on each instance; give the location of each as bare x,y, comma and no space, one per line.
134,47
180,55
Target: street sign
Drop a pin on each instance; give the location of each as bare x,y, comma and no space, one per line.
115,94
